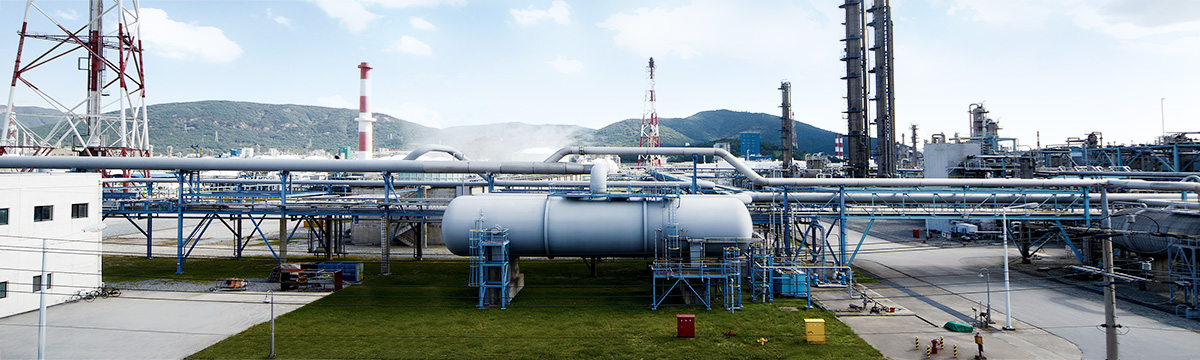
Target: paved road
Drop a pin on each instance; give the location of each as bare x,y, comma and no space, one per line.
142,324
942,283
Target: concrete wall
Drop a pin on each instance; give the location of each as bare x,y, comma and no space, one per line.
72,256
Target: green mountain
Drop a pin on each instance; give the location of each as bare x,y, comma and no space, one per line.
222,125
708,127
218,126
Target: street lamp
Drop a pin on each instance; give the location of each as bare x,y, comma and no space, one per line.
1007,295
1163,113
271,300
43,285
982,273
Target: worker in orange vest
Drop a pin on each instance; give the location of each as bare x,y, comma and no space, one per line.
979,341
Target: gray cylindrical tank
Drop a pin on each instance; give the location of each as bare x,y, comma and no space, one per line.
1154,221
542,225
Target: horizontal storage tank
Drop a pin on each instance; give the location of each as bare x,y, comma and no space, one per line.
1153,221
543,225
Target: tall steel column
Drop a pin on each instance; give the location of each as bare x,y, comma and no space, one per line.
858,140
885,122
788,136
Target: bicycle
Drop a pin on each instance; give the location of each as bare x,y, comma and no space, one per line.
107,291
85,295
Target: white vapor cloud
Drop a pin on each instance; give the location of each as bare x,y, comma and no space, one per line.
565,65
177,40
421,24
416,113
558,11
410,45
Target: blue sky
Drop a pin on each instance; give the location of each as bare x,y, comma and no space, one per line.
1064,67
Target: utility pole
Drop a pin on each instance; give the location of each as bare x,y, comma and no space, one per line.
1110,286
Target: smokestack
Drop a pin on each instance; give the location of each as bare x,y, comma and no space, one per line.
365,121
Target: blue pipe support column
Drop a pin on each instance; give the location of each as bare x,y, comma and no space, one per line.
787,223
149,221
285,178
695,188
841,224
179,224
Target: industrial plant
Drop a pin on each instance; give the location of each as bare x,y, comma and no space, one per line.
717,230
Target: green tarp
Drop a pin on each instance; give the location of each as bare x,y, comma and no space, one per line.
958,326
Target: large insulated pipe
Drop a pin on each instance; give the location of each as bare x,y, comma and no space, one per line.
358,166
432,183
542,225
424,149
366,130
754,177
883,197
1152,229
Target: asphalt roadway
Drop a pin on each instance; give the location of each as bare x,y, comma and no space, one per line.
1051,319
142,324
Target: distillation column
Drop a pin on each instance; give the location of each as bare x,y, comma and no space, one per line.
787,129
885,122
858,141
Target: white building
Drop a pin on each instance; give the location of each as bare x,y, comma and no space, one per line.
54,207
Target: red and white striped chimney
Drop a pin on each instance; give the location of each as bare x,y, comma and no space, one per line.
365,121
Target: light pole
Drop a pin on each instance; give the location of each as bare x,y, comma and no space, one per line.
1007,295
271,300
982,273
43,285
1163,113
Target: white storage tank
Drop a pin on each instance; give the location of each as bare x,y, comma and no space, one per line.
543,225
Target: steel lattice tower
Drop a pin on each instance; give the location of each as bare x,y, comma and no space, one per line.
649,131
111,120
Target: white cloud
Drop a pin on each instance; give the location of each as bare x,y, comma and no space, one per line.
410,45
565,65
783,32
336,101
421,24
1156,26
351,14
559,11
354,16
177,40
279,19
66,15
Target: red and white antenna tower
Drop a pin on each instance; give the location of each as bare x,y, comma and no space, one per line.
111,119
649,132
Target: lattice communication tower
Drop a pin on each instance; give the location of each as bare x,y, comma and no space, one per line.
111,119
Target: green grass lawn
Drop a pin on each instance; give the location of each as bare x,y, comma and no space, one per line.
425,310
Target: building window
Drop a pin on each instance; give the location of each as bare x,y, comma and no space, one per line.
37,282
43,213
3,289
3,216
79,211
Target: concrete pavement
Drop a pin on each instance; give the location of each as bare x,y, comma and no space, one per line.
142,324
1053,319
